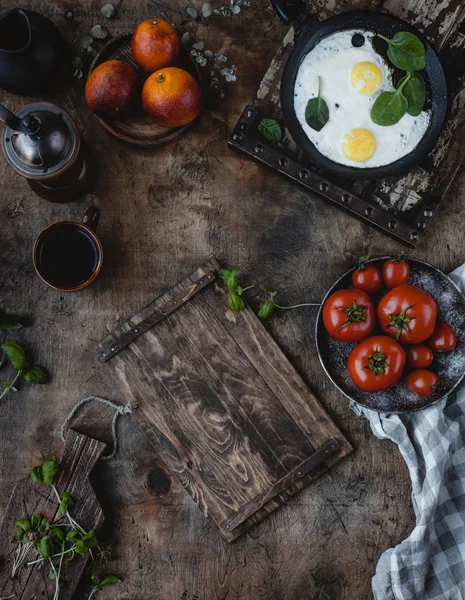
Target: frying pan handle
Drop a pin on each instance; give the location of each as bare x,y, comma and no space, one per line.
290,11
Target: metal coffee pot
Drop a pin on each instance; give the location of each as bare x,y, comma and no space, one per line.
42,143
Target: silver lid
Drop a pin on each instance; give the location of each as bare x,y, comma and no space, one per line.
48,151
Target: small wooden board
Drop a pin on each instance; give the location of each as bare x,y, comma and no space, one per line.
224,408
80,455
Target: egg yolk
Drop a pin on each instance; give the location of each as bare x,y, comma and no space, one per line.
359,145
366,77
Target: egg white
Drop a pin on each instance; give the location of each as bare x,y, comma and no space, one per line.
333,60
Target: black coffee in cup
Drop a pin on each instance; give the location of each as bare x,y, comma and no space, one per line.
67,256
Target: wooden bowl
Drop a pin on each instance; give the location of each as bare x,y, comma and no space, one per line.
136,128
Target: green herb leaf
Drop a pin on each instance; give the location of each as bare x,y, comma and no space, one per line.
59,533
36,375
45,547
270,130
95,579
37,475
415,92
232,279
235,302
406,51
266,309
224,273
390,107
317,111
90,539
81,548
16,355
36,519
72,535
109,579
66,502
50,469
23,524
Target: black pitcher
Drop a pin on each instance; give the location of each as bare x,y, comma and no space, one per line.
32,52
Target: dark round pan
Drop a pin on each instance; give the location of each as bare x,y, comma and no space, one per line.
450,366
310,32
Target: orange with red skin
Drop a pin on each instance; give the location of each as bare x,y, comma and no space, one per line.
112,88
155,44
171,97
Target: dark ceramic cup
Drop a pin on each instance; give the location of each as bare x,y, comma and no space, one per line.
68,255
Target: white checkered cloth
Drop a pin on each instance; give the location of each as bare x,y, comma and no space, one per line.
430,563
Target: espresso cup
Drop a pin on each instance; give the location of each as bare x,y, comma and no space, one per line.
68,255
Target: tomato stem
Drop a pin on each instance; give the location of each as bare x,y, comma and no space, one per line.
377,363
400,321
354,313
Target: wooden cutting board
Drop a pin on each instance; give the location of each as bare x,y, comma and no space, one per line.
80,455
224,408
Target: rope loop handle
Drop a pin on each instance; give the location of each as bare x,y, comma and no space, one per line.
120,409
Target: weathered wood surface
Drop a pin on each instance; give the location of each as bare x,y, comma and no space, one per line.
411,199
163,213
80,455
223,407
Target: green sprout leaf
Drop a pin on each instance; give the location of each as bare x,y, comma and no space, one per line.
23,524
90,539
109,579
81,547
66,502
15,354
58,533
50,469
266,309
270,130
317,111
406,51
37,475
45,547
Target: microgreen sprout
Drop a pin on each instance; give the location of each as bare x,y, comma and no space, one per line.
57,543
98,583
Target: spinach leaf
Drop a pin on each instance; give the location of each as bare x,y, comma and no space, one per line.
390,107
415,92
270,130
406,51
317,112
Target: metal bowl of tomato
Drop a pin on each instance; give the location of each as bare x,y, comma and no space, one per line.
448,366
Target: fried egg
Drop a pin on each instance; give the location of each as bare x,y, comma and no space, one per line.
351,80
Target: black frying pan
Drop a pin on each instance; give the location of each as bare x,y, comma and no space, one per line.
308,32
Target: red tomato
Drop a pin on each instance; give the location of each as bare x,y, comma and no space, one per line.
419,357
407,314
367,278
396,271
443,338
376,363
422,382
349,315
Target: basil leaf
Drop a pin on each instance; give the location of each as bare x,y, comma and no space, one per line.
270,130
16,355
389,108
232,279
406,51
36,375
415,92
235,302
317,111
266,309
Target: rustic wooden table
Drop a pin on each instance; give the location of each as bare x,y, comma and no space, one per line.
163,213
